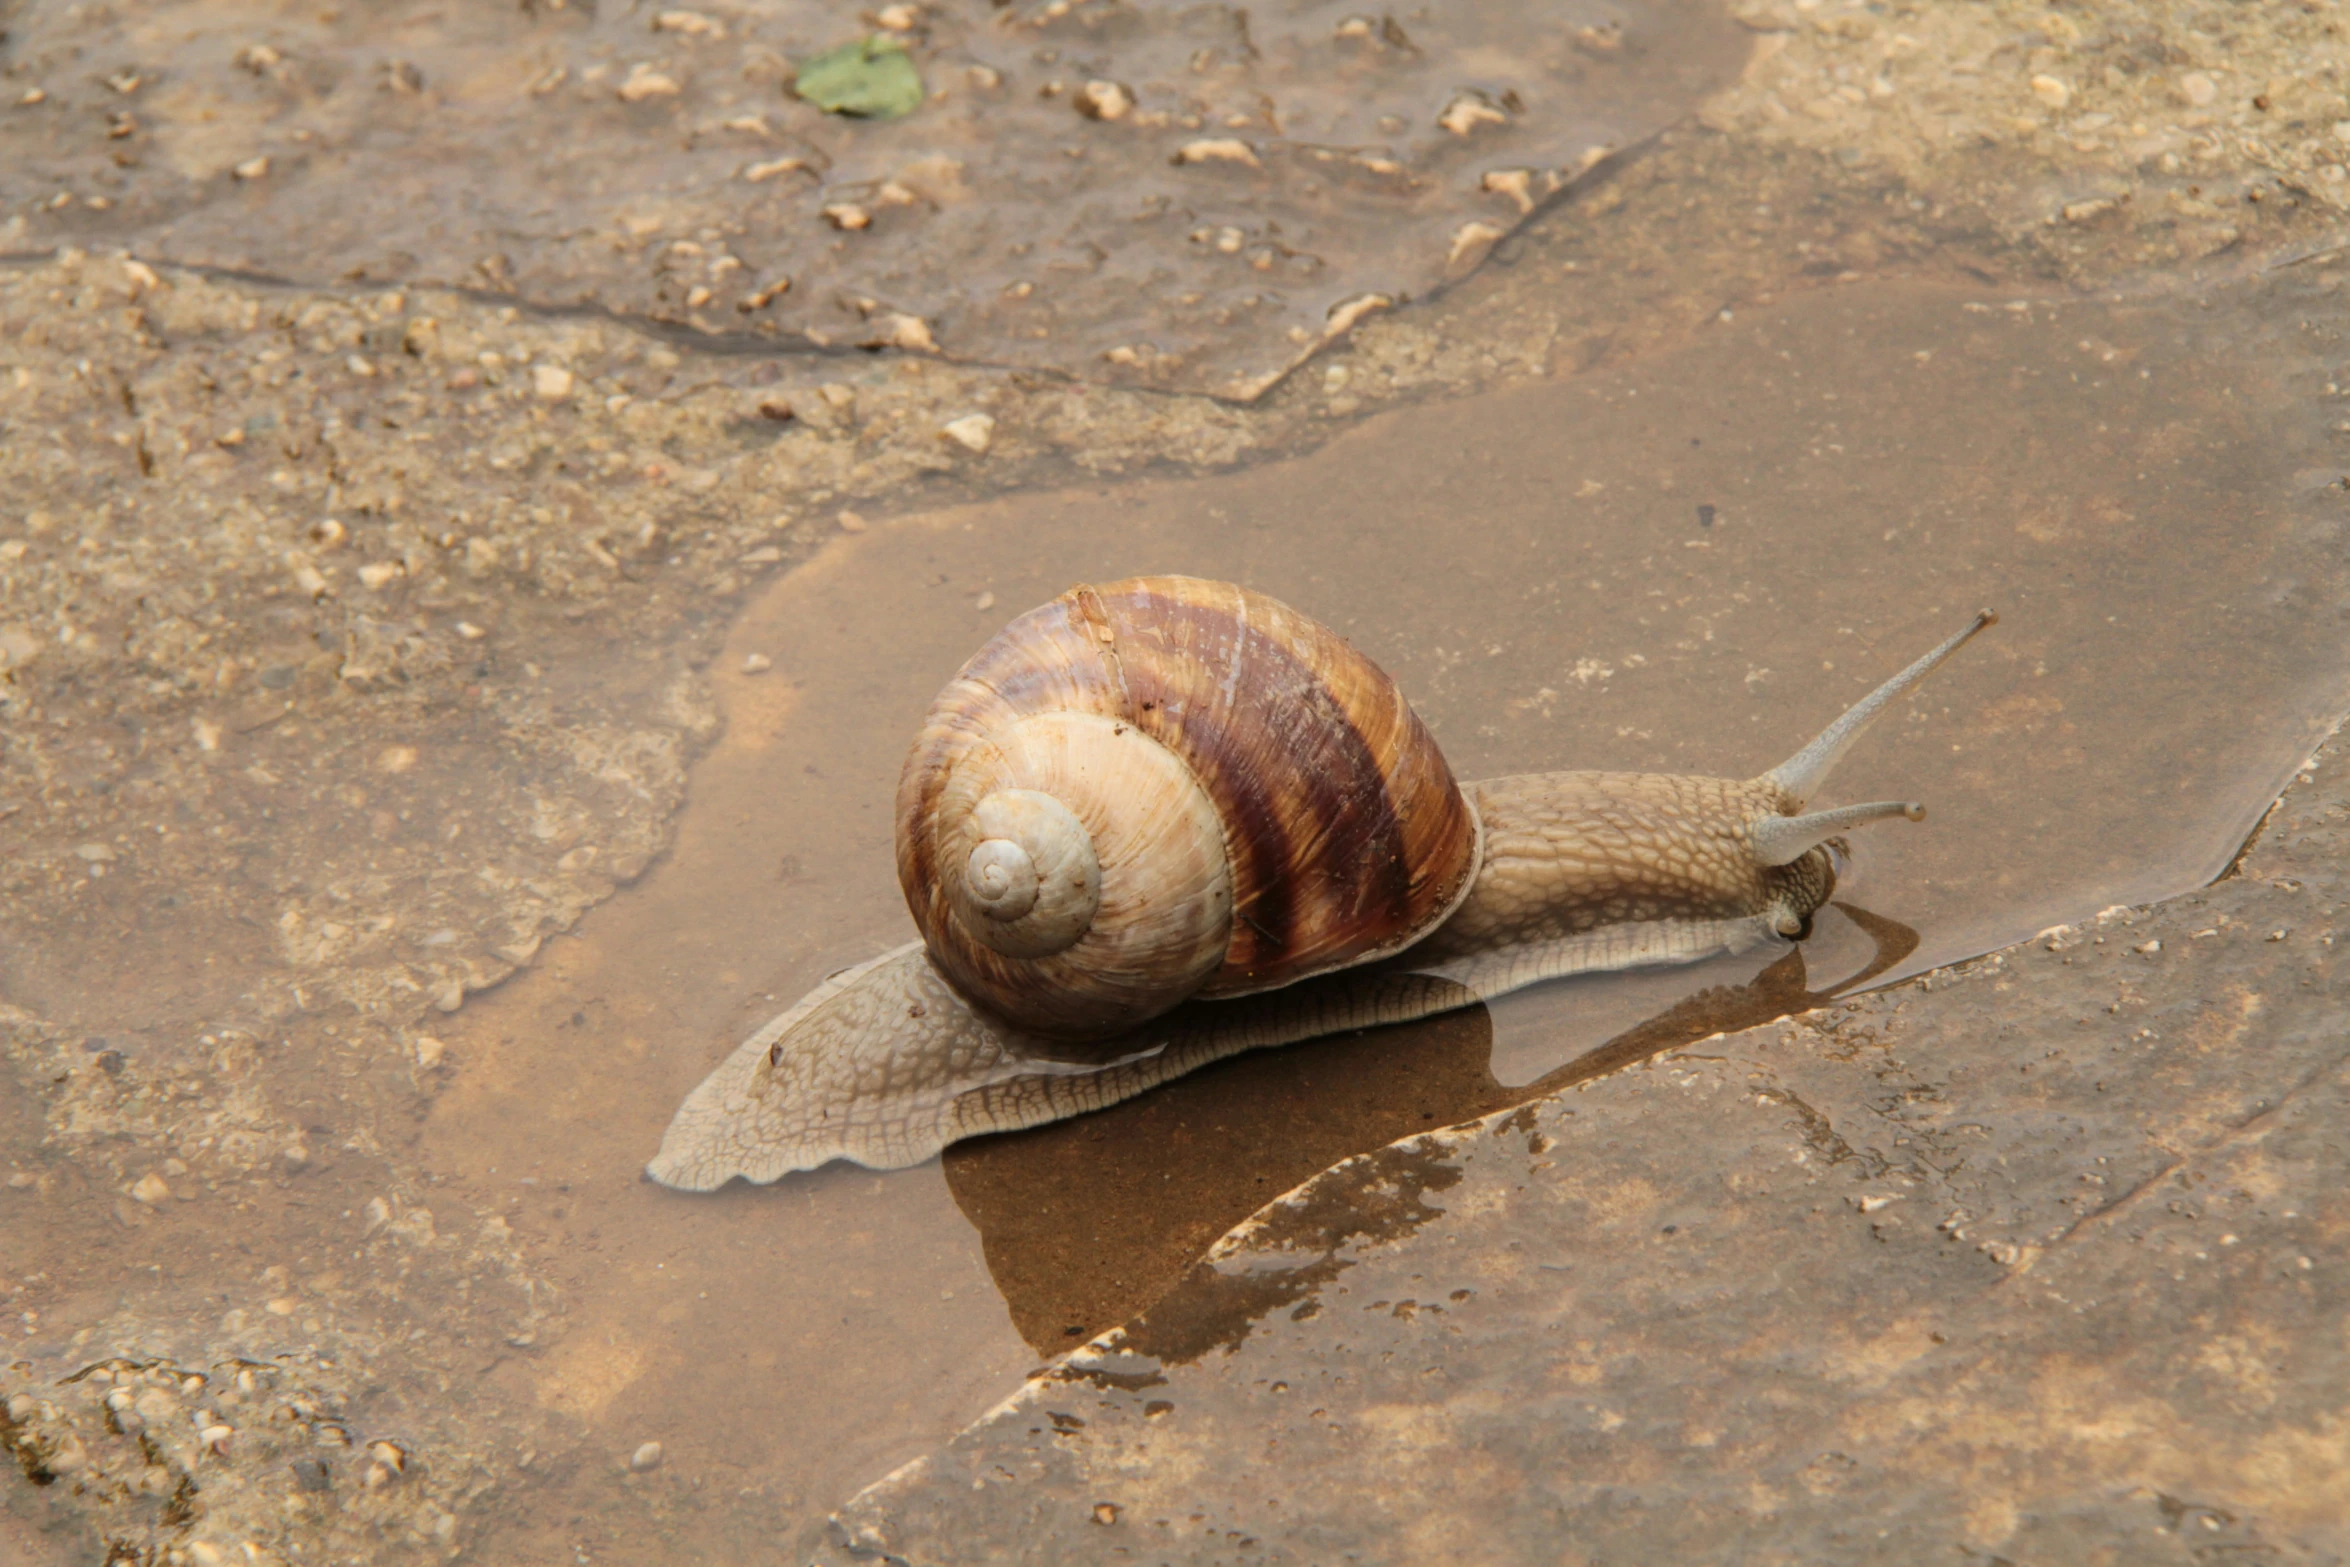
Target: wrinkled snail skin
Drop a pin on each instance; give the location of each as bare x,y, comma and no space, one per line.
1570,852
866,1080
1573,872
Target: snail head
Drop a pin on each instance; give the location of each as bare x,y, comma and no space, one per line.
1799,842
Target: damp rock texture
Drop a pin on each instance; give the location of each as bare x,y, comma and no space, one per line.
2039,1259
1179,197
297,749
2128,135
245,1452
273,625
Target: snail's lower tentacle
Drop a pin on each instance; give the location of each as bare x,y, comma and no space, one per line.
884,1065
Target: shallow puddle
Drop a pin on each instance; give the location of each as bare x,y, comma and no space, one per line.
1690,566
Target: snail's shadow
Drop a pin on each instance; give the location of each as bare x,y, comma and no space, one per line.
1084,1223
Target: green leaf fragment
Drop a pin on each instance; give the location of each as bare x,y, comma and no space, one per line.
873,78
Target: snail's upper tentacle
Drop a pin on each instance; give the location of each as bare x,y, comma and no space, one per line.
1800,776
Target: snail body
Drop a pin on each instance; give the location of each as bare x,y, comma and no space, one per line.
1162,821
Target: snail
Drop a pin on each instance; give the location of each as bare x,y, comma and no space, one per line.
1162,821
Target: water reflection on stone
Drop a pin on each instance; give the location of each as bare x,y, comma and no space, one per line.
1085,1222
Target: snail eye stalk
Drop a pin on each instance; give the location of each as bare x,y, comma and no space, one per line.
1800,776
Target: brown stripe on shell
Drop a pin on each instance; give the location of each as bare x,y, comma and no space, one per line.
1319,863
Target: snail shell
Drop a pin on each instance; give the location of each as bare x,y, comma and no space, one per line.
1163,788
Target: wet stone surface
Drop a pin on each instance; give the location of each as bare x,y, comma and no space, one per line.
2129,135
2037,1259
357,638
2161,556
1177,197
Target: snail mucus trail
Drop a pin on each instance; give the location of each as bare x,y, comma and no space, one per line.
1162,821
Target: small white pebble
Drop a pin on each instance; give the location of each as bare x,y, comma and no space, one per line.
1224,149
973,432
899,330
644,82
2052,92
151,1189
1467,111
253,168
1103,100
552,383
691,23
757,664
2149,947
645,1458
983,603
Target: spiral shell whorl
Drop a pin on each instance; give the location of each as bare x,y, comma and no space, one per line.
1031,884
1262,802
1131,905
